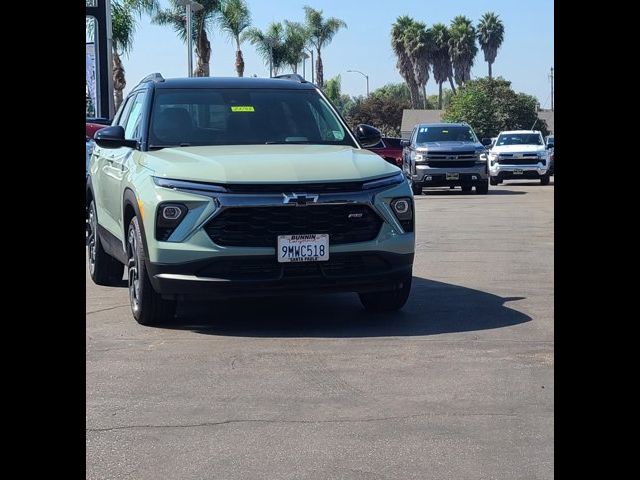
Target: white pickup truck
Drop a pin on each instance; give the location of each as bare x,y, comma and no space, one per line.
519,154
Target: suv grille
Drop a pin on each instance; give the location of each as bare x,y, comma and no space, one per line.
518,161
260,226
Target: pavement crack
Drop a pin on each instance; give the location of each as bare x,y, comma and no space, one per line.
105,309
338,420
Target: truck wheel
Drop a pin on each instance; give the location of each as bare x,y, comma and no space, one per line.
466,188
416,189
482,188
103,268
147,305
494,181
544,180
387,301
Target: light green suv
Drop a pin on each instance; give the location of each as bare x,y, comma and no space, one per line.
221,187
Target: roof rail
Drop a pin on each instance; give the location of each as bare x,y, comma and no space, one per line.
291,76
153,77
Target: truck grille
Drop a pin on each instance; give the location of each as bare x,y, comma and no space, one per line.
518,161
260,226
451,163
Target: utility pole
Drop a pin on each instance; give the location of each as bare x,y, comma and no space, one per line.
191,6
551,78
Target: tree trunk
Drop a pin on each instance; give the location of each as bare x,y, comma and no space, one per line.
424,95
119,81
440,96
414,92
319,72
239,59
203,52
489,69
453,87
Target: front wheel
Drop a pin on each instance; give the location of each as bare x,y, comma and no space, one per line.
387,301
147,305
544,180
483,188
494,181
416,189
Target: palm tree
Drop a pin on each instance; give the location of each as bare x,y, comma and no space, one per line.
419,47
296,37
202,21
321,32
124,15
269,44
490,37
442,70
234,18
404,64
462,48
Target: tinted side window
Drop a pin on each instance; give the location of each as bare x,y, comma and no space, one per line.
132,125
124,112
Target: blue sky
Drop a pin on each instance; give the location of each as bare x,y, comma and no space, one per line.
525,57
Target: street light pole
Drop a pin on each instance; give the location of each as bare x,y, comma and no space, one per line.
364,75
311,52
190,5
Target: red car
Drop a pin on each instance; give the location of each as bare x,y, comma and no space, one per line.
390,149
95,124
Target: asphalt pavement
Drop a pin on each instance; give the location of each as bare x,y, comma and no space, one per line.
458,385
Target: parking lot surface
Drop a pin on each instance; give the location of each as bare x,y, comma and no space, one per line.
458,385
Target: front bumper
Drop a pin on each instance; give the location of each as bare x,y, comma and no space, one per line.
261,275
501,171
437,177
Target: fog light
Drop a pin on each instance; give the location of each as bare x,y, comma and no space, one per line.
473,177
401,206
428,178
171,212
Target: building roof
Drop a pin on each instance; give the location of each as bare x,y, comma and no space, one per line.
410,118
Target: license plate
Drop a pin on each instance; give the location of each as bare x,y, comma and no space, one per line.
452,176
518,172
313,247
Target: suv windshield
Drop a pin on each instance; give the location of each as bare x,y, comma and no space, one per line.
186,117
445,134
519,139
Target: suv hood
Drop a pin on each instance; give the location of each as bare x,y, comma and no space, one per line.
449,146
267,163
518,149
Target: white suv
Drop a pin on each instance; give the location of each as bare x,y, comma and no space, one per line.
519,154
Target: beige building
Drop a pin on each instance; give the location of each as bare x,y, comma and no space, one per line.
410,118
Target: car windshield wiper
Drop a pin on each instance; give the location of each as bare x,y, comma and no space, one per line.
284,142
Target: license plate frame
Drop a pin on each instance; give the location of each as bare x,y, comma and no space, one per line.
305,247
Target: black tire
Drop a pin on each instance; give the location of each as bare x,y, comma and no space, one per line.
482,188
544,180
389,300
103,268
147,305
466,188
416,189
494,181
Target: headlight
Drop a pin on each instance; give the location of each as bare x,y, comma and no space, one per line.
383,182
168,217
493,156
403,210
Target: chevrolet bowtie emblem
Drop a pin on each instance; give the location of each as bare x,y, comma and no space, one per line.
300,199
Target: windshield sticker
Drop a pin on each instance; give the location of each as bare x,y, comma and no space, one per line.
242,108
445,131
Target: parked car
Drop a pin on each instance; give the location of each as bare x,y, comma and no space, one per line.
92,125
445,154
222,187
519,154
550,141
390,149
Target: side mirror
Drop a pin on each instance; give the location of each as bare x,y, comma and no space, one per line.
405,143
486,141
367,135
113,137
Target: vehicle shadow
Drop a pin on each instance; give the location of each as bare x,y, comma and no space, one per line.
433,308
492,191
